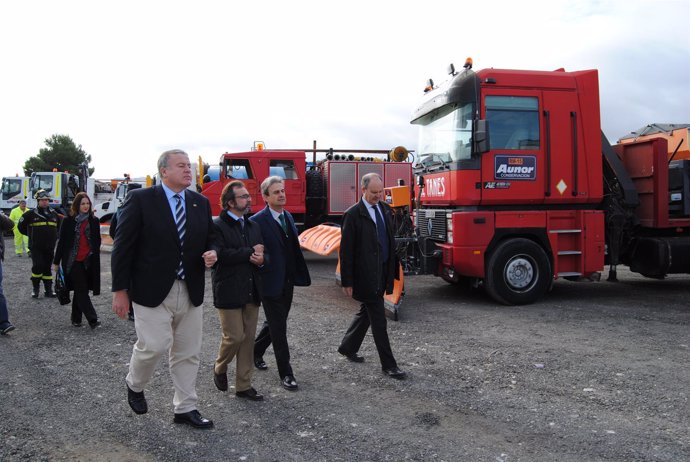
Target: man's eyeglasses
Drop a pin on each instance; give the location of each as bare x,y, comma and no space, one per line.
243,196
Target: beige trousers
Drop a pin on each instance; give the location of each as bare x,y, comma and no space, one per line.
237,340
174,326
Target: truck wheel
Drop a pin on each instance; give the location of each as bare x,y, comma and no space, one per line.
518,272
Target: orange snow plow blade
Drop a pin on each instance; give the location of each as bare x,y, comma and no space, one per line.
393,301
322,239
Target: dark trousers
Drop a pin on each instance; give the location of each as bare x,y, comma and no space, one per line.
371,313
274,329
81,303
41,259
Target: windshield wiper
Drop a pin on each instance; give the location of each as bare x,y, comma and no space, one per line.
427,160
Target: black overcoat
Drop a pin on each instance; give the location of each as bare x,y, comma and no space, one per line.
360,254
64,248
236,281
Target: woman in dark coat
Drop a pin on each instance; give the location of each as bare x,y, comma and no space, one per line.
78,250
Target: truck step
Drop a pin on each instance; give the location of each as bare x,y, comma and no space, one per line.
569,274
569,252
564,231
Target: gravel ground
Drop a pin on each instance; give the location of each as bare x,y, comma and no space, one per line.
595,372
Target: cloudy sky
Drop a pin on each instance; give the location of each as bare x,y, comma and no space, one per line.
129,79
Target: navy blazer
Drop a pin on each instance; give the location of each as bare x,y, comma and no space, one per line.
273,271
146,249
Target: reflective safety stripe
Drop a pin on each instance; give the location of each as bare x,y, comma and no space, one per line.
36,276
45,223
47,278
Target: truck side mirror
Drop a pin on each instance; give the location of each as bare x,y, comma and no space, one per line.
481,136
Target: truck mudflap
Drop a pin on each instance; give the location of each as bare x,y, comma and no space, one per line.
325,239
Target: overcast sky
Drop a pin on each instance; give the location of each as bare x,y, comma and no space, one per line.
130,79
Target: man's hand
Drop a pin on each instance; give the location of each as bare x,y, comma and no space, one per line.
210,258
257,258
121,303
347,291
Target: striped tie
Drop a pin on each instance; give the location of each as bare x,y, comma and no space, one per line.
180,220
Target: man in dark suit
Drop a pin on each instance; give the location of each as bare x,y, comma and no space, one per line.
284,268
368,267
164,241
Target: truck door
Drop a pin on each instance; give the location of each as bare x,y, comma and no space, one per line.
512,171
241,169
567,179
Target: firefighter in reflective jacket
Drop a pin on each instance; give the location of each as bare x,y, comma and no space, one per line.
41,225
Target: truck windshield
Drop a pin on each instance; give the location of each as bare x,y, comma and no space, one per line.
445,135
11,187
39,181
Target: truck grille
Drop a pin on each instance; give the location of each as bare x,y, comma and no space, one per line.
432,224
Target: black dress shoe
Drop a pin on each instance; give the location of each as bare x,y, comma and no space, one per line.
137,401
250,394
221,381
395,372
260,363
289,383
194,419
354,357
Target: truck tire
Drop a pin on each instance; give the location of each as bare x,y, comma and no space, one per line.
518,272
315,202
314,184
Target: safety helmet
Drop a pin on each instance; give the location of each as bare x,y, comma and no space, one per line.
41,194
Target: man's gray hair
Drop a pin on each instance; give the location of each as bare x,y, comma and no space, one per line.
366,179
268,182
165,157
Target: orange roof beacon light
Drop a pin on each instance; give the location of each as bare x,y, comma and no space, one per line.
429,86
468,63
258,146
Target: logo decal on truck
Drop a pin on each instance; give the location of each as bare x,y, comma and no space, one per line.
515,167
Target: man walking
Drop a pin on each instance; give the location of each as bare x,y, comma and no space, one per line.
237,289
368,266
164,239
284,268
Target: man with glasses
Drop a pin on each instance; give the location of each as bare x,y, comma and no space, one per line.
237,289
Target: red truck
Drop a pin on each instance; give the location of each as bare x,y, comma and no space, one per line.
319,191
517,186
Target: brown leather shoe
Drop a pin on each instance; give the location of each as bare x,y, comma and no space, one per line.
250,394
221,381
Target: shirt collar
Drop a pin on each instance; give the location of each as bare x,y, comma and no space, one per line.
233,216
275,214
169,193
